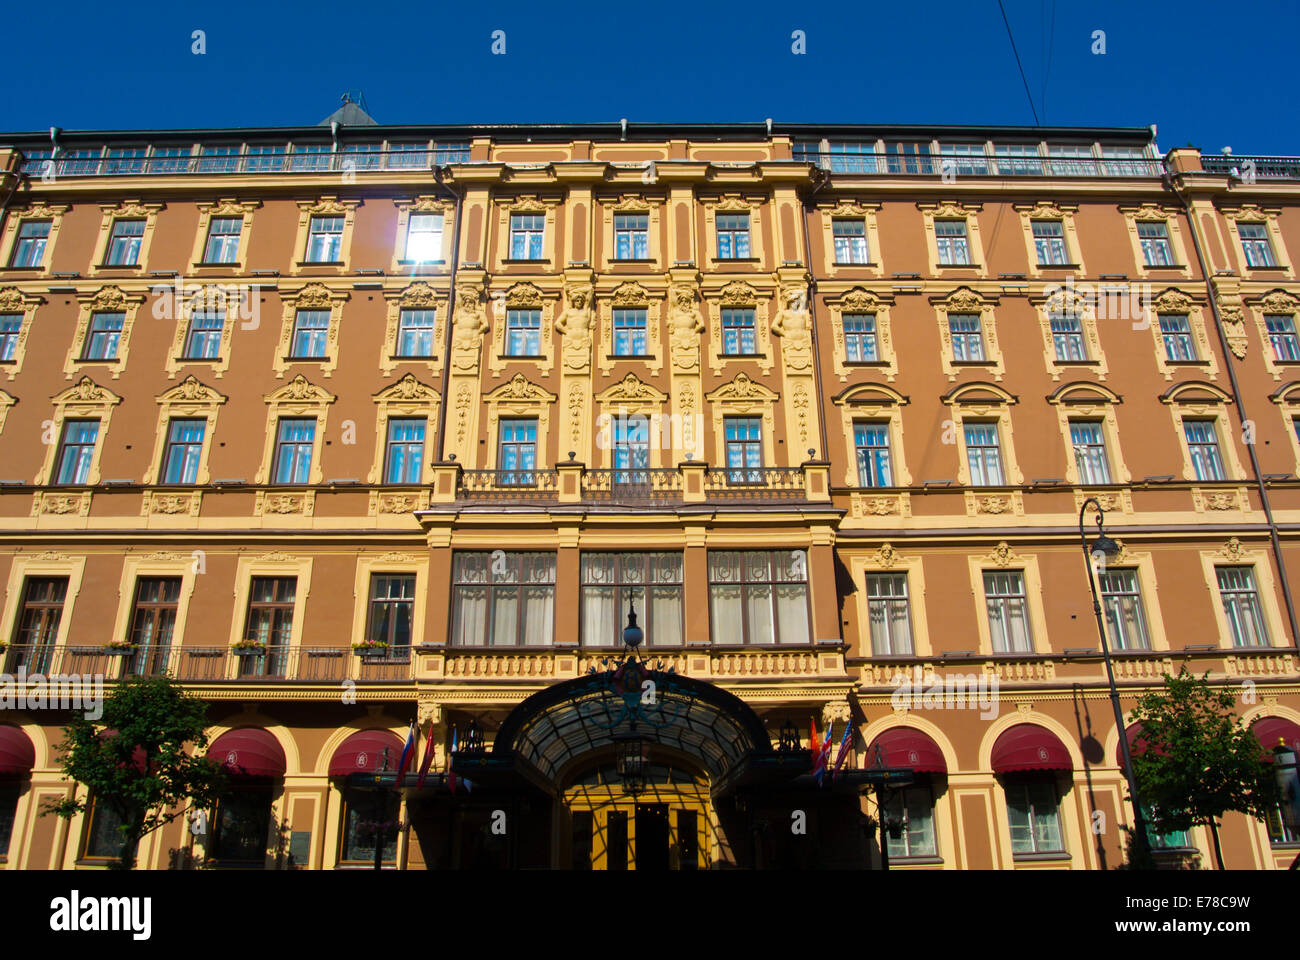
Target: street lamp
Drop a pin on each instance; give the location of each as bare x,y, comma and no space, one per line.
1106,548
633,751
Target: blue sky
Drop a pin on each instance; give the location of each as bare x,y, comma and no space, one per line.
1212,74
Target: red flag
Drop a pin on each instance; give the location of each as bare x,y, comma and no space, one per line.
814,744
428,756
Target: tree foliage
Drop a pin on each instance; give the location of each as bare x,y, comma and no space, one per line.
1195,760
143,759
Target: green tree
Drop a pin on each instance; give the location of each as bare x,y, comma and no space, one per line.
1195,760
134,759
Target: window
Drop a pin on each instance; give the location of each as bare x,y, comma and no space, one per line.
964,159
170,160
203,339
76,450
631,449
1256,245
10,791
630,332
310,156
392,612
29,248
1049,243
369,816
860,338
503,600
523,333
310,330
904,157
104,336
1017,159
183,450
295,439
526,232
517,458
1071,160
223,240
223,159
758,596
404,456
269,626
1008,610
325,240
153,623
1121,601
733,236
1282,335
967,338
1203,449
103,837
1154,238
1177,335
415,333
652,581
983,454
38,624
1128,161
889,614
1241,607
407,156
850,237
953,244
914,806
265,158
738,336
424,237
124,243
11,324
1067,338
631,236
241,825
871,443
1090,452
1173,840
744,449
1032,807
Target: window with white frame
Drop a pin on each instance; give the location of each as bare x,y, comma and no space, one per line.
404,450
223,240
104,336
310,332
415,332
1154,238
183,451
325,240
1203,449
1239,594
914,806
744,449
952,242
1282,336
650,581
424,237
517,451
1049,243
1008,611
124,243
523,333
850,236
630,331
983,453
967,337
860,338
1256,245
733,236
631,236
526,233
889,614
29,248
76,451
871,445
739,337
1089,441
1067,338
294,441
11,325
1033,809
759,597
503,599
1176,333
1121,602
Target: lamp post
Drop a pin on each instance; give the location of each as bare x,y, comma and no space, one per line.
633,751
1106,547
380,808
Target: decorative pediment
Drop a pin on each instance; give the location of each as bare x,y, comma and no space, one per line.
885,557
299,390
630,294
520,389
111,298
229,207
1278,301
41,211
86,390
134,209
13,300
527,203
327,205
1233,550
631,390
525,295
1067,302
1249,214
979,392
190,390
630,204
738,293
418,295
858,300
1044,210
316,295
407,389
848,208
870,393
1287,393
1149,213
1195,391
950,210
741,389
1173,301
426,203
963,300
1081,391
732,204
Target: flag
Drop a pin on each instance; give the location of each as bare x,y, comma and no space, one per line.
819,752
824,755
451,775
845,742
428,755
408,754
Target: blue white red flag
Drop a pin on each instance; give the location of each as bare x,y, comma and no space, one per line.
428,756
823,752
408,754
845,743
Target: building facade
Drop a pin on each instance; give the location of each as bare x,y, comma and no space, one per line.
349,427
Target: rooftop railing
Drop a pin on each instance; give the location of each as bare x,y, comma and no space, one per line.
969,165
180,161
1262,168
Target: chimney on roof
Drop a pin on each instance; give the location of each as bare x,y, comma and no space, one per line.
350,114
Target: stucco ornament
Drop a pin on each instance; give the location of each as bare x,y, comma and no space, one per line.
685,326
576,324
469,323
793,325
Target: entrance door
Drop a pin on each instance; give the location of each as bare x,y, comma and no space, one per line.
652,836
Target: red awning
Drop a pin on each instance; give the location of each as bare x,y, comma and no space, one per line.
361,752
908,747
1136,744
249,752
17,752
1269,730
1027,746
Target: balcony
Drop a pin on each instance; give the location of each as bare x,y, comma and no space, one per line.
974,165
1261,168
184,161
689,483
